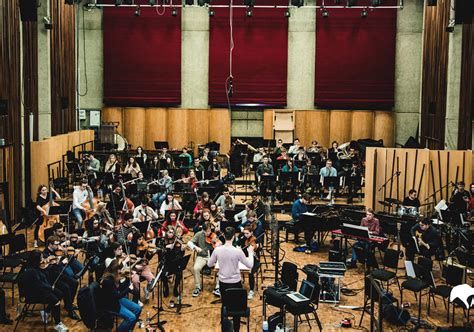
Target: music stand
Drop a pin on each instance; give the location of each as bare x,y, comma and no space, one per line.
289,177
73,167
162,163
159,145
159,271
182,263
60,210
331,182
279,163
213,146
269,143
182,162
300,163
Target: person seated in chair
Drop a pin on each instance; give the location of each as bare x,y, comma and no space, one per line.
37,289
373,224
428,239
412,200
299,206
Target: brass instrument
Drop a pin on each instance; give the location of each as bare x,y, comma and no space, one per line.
250,147
343,151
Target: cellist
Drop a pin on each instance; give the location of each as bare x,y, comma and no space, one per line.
43,199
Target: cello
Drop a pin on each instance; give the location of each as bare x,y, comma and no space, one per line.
48,221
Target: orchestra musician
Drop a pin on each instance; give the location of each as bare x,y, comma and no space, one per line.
427,237
42,201
59,274
245,240
225,201
241,217
204,218
300,206
265,168
253,222
164,155
202,244
205,155
373,224
229,258
353,174
301,155
215,169
307,170
94,164
314,148
170,203
327,171
412,199
471,201
37,289
132,167
74,265
257,157
141,268
79,196
174,251
295,147
460,198
178,225
112,165
204,203
197,167
143,212
142,155
154,163
332,152
279,146
284,155
125,229
188,157
113,298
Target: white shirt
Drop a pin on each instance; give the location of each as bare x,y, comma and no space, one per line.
229,258
140,212
79,196
174,205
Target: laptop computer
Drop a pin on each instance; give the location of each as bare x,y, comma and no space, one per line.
305,293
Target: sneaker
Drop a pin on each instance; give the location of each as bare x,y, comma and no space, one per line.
307,251
140,303
216,292
35,244
196,292
250,295
147,293
61,327
171,304
44,316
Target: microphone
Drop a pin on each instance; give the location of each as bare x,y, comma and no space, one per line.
230,92
398,173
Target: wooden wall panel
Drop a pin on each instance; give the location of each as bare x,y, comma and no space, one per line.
220,128
340,126
134,126
177,128
113,114
300,127
198,127
317,125
425,170
155,126
384,124
268,124
362,124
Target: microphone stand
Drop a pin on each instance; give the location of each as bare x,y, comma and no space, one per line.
390,179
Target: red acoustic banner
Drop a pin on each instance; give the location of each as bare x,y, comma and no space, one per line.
142,57
260,55
355,58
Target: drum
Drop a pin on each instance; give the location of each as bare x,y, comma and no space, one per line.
120,142
401,211
412,212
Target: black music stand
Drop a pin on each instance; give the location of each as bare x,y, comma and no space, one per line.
278,164
159,145
159,272
300,163
314,181
182,162
182,263
200,175
125,177
269,143
266,180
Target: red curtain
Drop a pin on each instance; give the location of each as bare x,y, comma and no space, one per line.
355,58
259,57
142,57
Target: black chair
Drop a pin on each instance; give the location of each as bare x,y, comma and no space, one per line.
9,278
390,261
18,247
307,309
417,285
453,277
289,275
234,304
292,227
28,308
371,294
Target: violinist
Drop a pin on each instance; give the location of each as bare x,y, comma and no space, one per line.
96,241
169,204
143,212
141,268
125,231
253,223
203,246
245,240
74,265
173,253
58,276
113,298
37,289
216,213
203,219
116,201
225,201
42,200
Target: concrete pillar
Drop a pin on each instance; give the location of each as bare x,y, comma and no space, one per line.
194,57
44,72
454,87
408,68
301,57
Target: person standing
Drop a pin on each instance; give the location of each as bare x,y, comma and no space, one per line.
229,258
79,196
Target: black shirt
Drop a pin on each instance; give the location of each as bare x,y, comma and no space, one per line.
42,201
262,168
431,236
407,201
458,201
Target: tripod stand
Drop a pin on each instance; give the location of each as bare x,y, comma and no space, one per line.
159,324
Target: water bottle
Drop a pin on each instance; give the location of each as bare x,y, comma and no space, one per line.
265,326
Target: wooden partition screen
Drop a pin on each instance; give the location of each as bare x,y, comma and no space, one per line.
51,150
326,126
180,127
424,170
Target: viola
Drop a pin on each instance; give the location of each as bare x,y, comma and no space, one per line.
213,239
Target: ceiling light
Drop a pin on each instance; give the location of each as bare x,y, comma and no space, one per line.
287,13
324,13
249,12
137,11
211,12
364,13
174,12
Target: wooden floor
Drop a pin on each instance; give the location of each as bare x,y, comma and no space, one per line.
204,316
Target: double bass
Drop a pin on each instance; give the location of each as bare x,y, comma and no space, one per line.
48,221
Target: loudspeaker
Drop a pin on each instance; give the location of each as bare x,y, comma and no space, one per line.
64,103
3,107
29,10
336,256
464,11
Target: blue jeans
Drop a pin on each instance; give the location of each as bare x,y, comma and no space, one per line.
363,245
130,312
77,213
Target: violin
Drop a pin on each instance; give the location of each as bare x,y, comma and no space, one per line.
213,239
